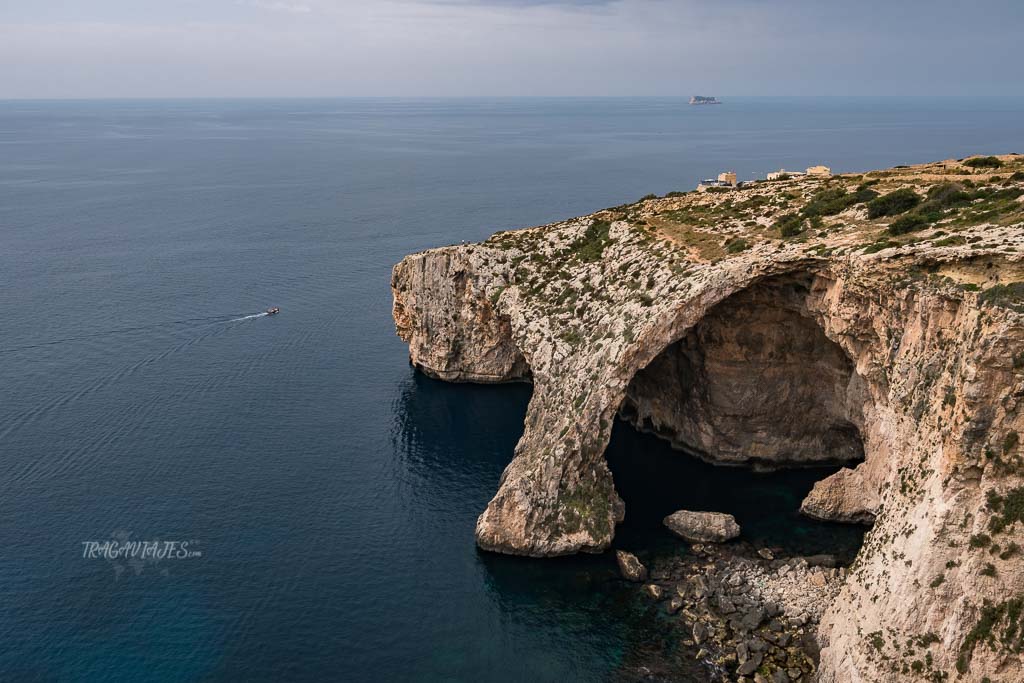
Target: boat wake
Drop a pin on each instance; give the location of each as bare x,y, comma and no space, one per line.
264,314
197,322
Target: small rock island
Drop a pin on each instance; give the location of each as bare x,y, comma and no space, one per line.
873,320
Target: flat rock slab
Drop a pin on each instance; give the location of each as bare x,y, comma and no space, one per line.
703,527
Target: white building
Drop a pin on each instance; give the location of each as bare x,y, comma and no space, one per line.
783,173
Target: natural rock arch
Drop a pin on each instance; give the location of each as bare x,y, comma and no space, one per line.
754,382
934,333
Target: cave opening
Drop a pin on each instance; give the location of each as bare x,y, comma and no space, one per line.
755,384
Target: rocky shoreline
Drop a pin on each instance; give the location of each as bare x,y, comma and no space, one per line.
746,613
873,319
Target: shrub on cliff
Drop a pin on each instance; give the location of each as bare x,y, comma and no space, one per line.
878,246
1010,295
983,162
985,631
912,222
827,202
893,203
833,200
945,195
790,224
590,247
737,245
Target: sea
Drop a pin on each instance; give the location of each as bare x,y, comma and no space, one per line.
191,490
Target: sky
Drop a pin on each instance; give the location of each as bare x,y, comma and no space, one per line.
427,48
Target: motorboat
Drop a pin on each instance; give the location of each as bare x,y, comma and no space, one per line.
273,311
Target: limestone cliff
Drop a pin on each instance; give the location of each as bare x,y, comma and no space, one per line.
874,320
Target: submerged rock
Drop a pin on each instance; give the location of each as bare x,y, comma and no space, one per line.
703,527
630,567
654,590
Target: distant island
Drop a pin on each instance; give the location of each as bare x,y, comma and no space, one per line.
700,99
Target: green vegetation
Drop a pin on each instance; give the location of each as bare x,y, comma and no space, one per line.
979,540
833,200
985,630
590,247
790,224
1010,441
991,203
937,581
939,200
894,203
988,570
911,222
943,196
1006,509
881,244
735,246
572,337
983,162
1009,296
952,241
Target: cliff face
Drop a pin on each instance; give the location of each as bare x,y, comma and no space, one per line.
849,339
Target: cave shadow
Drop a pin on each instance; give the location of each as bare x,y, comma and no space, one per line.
757,388
654,480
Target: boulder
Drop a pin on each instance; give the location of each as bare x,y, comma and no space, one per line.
630,567
843,497
750,666
703,527
700,633
821,561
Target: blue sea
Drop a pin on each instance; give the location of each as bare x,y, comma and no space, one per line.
320,496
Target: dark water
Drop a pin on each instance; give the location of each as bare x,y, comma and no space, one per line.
332,492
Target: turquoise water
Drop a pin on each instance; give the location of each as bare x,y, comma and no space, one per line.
331,491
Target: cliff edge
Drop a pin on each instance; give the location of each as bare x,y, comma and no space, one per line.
874,320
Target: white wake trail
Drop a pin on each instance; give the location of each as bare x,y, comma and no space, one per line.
248,317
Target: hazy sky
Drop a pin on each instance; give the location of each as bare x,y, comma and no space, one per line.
173,48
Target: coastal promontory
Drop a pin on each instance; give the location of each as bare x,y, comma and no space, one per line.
874,321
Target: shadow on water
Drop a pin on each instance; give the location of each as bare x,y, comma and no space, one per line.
455,440
458,437
655,480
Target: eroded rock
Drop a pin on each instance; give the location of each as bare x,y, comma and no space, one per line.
630,567
703,527
919,372
842,497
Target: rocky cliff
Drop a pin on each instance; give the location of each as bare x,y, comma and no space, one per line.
873,320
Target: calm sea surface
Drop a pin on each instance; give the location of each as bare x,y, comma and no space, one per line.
332,492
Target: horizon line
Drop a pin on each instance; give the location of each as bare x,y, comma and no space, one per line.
129,98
